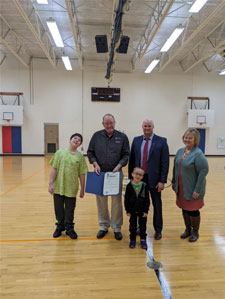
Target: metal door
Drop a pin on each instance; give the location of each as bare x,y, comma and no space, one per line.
51,138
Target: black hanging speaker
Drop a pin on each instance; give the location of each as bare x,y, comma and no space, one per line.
101,43
124,43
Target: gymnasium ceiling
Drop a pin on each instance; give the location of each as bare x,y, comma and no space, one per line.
24,33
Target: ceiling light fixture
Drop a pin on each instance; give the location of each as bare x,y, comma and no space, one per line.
55,32
152,65
42,1
222,72
197,5
67,63
171,40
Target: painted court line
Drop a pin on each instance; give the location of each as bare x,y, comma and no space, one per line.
159,275
93,239
20,183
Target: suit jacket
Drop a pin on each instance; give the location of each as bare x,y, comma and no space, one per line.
134,203
158,159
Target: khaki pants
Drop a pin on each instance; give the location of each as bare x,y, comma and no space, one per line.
116,220
116,213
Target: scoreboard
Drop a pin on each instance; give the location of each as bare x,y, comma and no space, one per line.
105,94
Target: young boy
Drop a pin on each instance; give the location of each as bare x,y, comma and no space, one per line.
137,205
67,166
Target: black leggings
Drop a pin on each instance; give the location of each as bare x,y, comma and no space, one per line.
193,213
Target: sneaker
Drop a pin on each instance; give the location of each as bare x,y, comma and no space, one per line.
143,244
72,234
132,244
118,236
101,234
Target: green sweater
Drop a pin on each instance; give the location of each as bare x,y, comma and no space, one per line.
193,172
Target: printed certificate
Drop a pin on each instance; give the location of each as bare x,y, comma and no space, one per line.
111,184
104,184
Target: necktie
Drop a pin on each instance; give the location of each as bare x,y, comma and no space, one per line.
145,156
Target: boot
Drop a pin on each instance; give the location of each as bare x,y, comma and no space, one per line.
195,222
187,222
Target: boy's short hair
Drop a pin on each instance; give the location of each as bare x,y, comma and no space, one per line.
138,167
78,135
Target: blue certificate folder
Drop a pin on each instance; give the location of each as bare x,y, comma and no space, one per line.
95,183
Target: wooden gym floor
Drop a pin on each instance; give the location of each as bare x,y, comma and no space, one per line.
34,265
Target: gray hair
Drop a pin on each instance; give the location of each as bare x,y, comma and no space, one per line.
108,114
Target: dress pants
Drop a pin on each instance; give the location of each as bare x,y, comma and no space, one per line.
157,206
116,213
64,211
133,226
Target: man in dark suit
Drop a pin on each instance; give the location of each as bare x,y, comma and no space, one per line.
151,152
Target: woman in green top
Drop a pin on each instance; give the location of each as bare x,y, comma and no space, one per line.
68,166
189,172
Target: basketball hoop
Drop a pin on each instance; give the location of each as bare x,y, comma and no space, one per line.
201,124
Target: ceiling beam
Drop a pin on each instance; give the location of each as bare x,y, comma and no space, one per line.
159,16
47,49
212,43
13,51
214,63
170,56
74,27
12,42
2,57
218,49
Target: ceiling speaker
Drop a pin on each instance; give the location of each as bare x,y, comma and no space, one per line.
101,43
124,43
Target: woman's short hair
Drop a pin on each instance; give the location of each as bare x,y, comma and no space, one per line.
196,134
78,135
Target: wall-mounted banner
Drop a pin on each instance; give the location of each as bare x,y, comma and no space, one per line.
221,142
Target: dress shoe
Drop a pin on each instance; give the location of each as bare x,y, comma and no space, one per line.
118,236
72,234
158,236
101,234
57,233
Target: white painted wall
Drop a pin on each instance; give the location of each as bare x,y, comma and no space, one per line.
65,98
